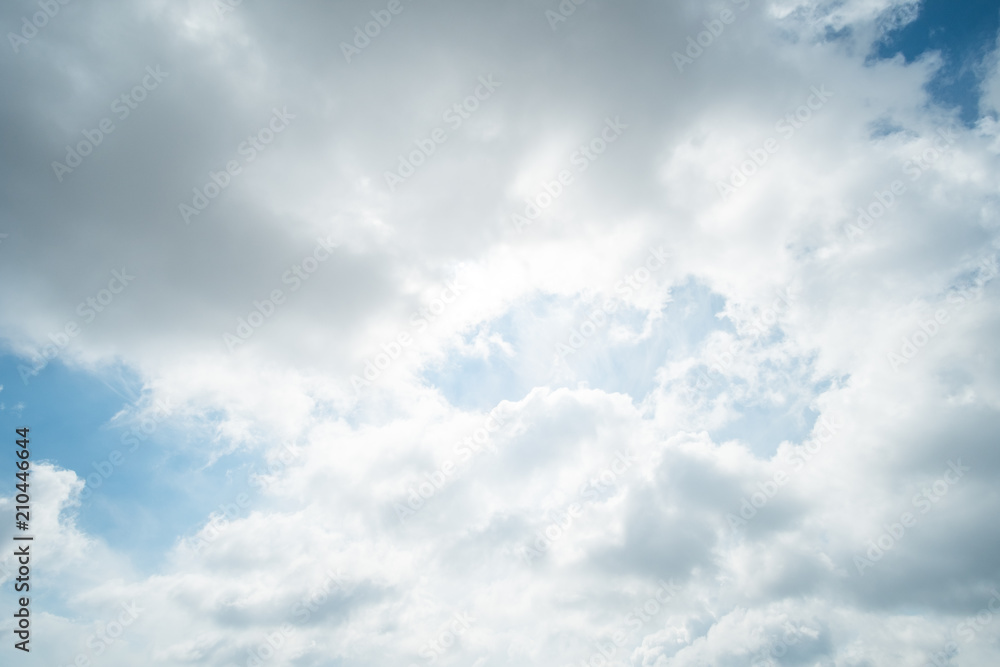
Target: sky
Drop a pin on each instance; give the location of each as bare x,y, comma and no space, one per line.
482,334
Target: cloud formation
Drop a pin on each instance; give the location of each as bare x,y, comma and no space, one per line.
523,333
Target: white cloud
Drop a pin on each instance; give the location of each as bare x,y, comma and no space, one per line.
704,381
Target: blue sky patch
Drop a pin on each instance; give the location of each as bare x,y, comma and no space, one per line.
964,33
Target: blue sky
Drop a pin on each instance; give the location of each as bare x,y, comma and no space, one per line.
661,357
964,33
159,492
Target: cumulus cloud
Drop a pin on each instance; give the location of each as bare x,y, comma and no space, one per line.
632,358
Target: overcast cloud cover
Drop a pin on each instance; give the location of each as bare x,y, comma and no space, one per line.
508,333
